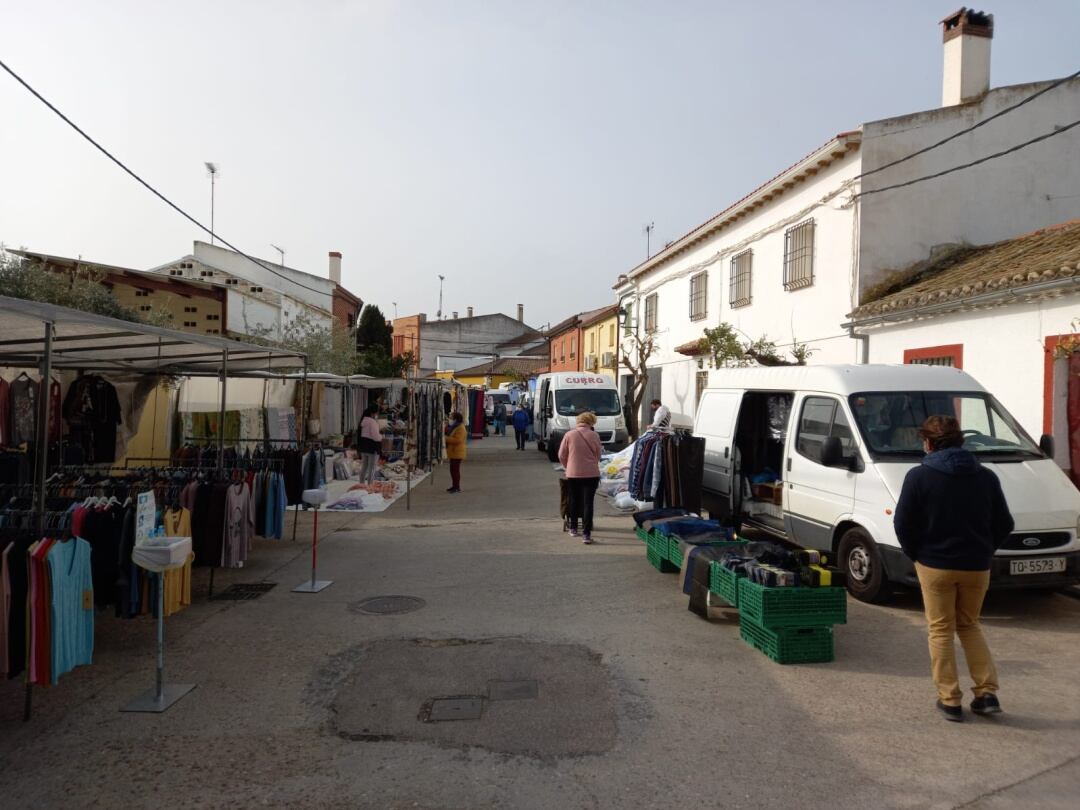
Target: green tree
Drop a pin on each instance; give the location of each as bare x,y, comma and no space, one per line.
376,361
372,330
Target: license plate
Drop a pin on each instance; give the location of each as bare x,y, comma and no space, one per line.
1039,565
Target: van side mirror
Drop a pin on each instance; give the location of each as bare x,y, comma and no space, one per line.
547,413
832,454
1046,444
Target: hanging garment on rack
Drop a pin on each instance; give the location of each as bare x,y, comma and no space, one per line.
5,413
18,588
70,596
239,525
56,428
23,394
313,469
92,411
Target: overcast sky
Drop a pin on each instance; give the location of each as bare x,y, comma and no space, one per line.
517,148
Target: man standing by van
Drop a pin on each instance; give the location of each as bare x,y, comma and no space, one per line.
950,519
661,416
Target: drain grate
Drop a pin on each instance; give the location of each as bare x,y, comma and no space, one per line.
441,710
387,605
244,591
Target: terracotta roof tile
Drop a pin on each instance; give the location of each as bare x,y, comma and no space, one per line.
505,365
1043,255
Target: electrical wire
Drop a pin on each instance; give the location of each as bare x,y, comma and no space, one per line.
984,122
1002,153
149,187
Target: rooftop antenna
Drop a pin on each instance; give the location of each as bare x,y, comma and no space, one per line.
647,230
438,315
213,171
395,309
282,252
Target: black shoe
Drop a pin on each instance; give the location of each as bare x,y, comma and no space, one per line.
954,714
986,704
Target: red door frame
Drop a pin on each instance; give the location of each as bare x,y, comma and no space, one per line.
1052,342
953,350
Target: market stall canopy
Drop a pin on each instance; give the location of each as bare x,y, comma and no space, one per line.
90,342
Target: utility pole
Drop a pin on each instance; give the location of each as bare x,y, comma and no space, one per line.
648,240
213,170
282,252
438,315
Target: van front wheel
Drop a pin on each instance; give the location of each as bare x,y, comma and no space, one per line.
861,561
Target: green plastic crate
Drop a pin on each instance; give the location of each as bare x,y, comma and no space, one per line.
642,535
658,561
674,553
724,583
776,608
792,645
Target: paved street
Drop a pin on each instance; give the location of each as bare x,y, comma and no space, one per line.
616,696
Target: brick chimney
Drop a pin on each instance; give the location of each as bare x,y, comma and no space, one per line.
335,267
967,35
521,313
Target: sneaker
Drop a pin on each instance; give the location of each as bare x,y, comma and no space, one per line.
954,714
986,704
452,490
573,533
587,540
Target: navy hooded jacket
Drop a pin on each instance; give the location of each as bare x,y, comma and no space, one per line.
951,512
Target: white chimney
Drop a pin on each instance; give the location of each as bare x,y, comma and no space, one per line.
967,35
453,315
468,310
335,267
521,313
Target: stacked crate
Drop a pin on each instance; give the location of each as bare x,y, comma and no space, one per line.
792,625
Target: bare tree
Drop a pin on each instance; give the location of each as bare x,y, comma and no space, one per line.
636,351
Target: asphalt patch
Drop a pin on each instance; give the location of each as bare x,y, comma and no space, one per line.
543,700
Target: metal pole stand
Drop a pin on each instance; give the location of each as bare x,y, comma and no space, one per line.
163,695
315,498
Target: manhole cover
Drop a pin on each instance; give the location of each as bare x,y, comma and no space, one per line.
444,709
240,591
387,605
512,690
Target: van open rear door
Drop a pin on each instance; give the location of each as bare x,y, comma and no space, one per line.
716,424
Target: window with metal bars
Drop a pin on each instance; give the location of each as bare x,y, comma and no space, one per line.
701,383
741,269
698,296
650,313
799,256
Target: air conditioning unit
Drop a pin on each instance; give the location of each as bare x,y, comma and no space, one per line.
590,363
607,360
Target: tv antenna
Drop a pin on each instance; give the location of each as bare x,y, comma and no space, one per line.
438,315
212,169
282,252
647,230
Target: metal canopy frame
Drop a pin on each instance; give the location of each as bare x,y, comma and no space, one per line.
89,342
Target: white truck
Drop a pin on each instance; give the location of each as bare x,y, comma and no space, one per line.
818,454
561,396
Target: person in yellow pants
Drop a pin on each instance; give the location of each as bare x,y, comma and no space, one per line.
950,519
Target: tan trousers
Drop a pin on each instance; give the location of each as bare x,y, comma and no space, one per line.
953,601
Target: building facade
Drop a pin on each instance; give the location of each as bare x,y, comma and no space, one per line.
792,258
459,338
191,306
599,337
266,299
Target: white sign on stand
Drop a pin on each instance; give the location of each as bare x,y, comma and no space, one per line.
145,517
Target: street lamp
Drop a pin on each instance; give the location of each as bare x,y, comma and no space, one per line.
213,171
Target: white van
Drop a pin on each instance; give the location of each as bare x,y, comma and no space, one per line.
561,396
840,439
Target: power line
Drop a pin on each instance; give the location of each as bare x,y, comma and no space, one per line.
973,127
146,185
1002,153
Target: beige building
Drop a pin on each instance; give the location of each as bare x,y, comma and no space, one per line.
599,340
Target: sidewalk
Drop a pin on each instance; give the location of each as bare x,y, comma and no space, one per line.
617,696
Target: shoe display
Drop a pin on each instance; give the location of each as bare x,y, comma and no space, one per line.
986,704
954,714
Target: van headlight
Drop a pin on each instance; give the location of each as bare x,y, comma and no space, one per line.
620,424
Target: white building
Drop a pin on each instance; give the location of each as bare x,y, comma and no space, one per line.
263,297
792,258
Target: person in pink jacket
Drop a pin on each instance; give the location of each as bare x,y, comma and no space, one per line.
579,453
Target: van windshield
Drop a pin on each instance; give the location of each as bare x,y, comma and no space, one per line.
601,401
889,423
